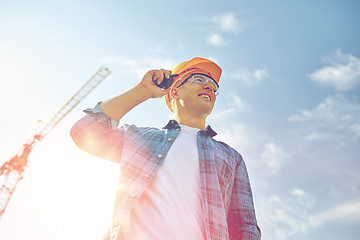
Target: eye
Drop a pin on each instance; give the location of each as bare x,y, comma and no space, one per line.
198,79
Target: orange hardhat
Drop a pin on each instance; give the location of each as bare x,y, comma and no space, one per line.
195,65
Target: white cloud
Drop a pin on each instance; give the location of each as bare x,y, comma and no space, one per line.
295,213
216,40
237,102
244,138
228,22
141,65
341,73
250,78
355,128
314,136
297,192
304,199
234,105
222,114
336,115
274,156
349,211
324,111
237,135
286,215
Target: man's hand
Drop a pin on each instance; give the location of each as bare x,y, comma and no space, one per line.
152,77
118,106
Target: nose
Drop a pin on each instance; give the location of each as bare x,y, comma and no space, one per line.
209,86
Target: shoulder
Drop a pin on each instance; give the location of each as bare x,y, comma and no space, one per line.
230,151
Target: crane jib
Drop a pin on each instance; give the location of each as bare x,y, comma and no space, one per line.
12,170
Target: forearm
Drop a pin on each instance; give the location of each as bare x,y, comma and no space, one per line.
118,106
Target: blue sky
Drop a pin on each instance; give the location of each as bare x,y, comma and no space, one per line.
289,102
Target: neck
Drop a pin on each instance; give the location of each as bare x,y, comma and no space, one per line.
191,121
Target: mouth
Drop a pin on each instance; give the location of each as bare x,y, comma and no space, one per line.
205,96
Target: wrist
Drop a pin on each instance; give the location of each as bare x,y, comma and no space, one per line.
142,92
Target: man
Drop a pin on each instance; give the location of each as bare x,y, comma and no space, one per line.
176,182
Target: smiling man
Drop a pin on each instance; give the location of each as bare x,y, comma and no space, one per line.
176,182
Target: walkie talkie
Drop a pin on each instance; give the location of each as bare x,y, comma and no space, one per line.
166,82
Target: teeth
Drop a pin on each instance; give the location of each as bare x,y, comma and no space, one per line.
205,96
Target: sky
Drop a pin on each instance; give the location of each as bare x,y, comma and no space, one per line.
289,102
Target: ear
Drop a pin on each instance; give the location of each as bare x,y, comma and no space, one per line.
174,93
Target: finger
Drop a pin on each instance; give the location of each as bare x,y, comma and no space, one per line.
166,73
153,75
159,76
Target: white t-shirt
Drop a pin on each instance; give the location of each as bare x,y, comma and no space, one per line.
170,208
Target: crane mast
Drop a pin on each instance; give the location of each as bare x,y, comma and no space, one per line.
11,172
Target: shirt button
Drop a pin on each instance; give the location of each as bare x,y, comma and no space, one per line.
159,156
133,195
147,175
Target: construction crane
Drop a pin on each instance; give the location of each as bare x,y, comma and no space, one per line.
11,172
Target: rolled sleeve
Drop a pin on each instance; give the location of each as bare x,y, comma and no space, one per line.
101,116
97,134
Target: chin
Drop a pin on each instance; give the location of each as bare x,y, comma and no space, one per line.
205,111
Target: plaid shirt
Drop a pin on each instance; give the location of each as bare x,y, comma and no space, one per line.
227,202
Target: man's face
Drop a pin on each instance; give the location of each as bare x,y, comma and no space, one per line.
197,95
